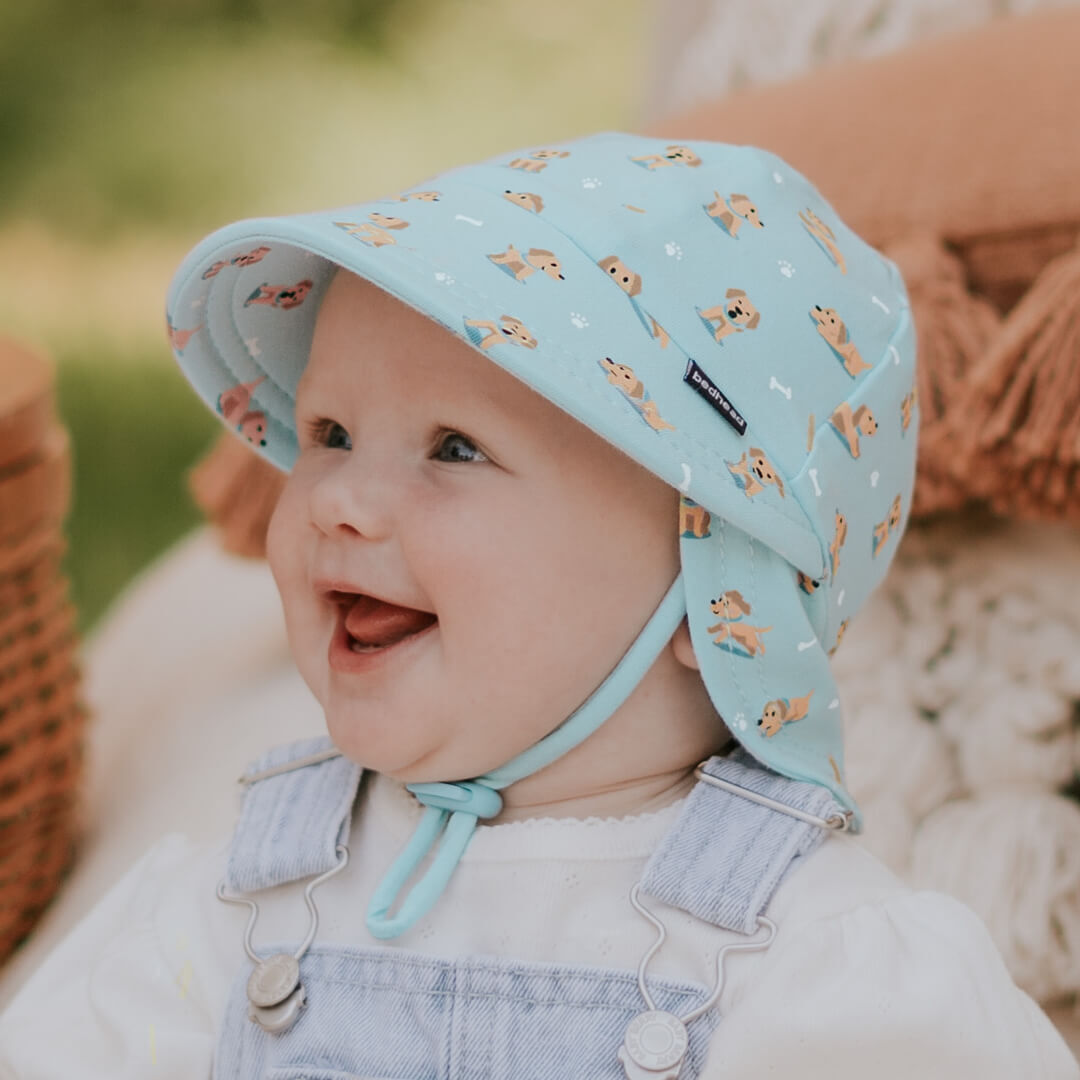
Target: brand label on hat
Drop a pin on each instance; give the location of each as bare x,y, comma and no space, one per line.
714,396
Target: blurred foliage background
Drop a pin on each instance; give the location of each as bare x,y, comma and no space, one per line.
131,128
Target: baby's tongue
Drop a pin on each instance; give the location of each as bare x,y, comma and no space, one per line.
373,622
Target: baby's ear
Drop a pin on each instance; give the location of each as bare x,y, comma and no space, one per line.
684,651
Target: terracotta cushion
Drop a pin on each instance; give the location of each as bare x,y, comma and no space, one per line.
971,137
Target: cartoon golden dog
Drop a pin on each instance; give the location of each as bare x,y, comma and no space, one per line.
248,258
906,406
839,538
732,217
511,327
832,329
233,405
824,235
848,424
883,528
526,199
374,232
731,607
252,426
387,221
623,377
752,478
521,266
693,518
675,155
733,317
178,339
537,160
422,196
621,274
281,296
782,711
841,630
808,584
659,332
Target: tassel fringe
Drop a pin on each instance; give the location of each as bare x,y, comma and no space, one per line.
954,330
1018,424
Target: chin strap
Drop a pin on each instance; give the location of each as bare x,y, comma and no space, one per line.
463,802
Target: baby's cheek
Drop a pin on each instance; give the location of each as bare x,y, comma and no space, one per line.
283,548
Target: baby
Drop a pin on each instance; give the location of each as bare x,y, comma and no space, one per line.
572,524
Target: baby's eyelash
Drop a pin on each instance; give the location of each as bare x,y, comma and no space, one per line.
316,429
319,431
447,436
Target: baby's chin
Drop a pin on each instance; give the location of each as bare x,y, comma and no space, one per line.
387,745
410,757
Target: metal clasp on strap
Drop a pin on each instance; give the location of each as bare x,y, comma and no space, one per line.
275,993
656,1040
840,821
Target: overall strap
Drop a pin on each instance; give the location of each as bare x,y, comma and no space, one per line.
297,808
725,855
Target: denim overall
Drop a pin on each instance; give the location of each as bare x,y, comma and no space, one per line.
387,1013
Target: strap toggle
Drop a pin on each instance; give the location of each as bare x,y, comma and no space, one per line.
464,795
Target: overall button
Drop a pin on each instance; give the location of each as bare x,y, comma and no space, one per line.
273,980
655,1045
279,1017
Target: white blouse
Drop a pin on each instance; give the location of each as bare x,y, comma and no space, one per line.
865,978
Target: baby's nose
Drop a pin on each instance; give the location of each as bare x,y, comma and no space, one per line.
353,499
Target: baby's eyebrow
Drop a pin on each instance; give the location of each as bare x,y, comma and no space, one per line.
307,388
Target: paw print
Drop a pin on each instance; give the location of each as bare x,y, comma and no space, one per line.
777,177
590,182
578,320
445,278
786,268
875,476
740,721
673,249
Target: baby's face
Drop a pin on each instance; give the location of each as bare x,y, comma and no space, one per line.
431,479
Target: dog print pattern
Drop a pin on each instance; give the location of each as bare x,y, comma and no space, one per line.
732,633
234,404
731,213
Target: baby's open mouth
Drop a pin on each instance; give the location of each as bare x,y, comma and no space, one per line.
372,624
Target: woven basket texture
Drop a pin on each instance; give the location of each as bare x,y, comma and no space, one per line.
42,718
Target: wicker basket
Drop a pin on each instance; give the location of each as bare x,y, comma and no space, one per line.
41,716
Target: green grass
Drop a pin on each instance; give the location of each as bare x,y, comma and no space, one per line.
136,428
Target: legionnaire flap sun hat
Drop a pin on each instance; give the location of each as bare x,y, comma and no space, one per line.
701,307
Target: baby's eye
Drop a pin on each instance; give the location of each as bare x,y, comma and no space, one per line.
454,446
329,433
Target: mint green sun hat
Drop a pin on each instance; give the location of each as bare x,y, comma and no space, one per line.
701,307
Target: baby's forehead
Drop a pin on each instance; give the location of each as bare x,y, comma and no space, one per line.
358,322
365,339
